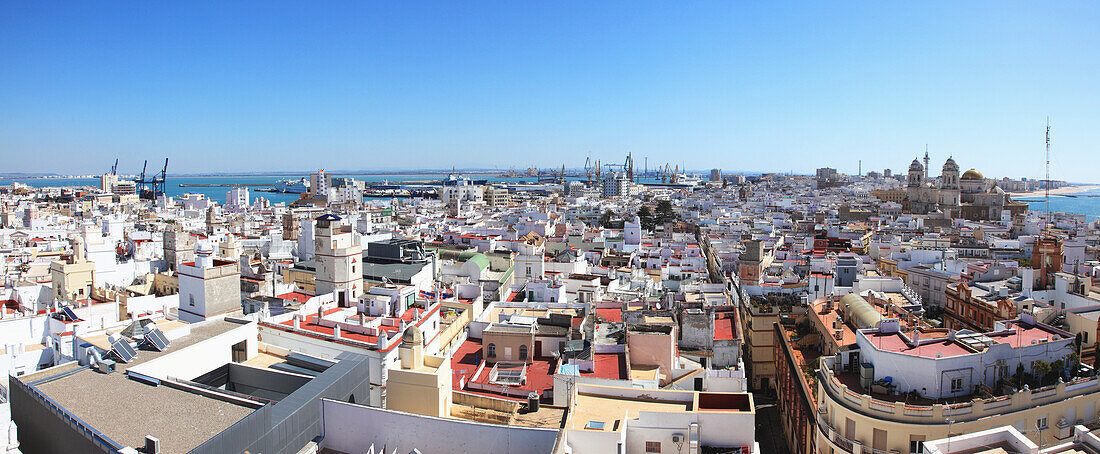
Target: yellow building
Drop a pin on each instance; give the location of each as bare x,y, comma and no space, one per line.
73,279
301,278
422,385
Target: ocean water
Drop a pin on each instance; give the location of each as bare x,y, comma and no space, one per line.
1082,204
217,193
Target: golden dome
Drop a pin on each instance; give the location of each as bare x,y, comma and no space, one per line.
972,175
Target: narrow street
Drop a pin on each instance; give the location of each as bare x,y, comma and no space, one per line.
769,431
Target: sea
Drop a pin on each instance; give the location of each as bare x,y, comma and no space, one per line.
1086,203
218,193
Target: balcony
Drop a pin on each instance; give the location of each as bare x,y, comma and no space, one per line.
842,444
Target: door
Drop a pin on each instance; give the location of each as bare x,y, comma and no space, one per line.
240,352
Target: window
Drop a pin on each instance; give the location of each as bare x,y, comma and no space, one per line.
916,446
956,384
491,351
523,352
191,299
652,446
1041,423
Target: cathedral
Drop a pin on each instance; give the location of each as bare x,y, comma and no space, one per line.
969,196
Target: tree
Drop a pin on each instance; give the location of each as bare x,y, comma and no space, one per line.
665,212
647,218
607,218
1058,368
1040,369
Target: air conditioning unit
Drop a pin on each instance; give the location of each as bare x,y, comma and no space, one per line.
676,438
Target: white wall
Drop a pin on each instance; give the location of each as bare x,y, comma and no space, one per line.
353,428
202,357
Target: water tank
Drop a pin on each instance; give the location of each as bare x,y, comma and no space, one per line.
532,402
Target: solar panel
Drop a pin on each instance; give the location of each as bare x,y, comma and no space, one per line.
68,311
122,349
156,339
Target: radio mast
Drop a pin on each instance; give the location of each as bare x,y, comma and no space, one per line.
1046,186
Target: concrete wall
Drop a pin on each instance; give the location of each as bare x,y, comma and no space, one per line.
354,428
23,330
653,349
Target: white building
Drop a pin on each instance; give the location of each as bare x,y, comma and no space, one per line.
339,258
462,190
208,286
320,183
236,198
615,184
628,420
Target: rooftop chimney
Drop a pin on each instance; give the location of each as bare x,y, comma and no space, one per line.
152,445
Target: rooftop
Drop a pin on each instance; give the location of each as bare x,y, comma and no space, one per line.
125,410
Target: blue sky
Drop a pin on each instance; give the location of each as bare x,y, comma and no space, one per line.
752,86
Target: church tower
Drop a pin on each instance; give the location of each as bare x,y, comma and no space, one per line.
950,175
916,174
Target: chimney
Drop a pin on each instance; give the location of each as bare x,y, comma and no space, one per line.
152,445
297,323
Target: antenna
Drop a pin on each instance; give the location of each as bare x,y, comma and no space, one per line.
1046,184
925,162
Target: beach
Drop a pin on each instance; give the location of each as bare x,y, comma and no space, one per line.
1063,190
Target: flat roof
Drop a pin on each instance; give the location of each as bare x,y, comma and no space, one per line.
127,410
610,410
941,348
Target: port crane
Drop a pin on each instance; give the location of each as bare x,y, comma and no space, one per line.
150,188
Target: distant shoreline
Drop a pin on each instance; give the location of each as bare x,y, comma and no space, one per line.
1059,191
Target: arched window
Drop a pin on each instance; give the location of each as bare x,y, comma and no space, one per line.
523,353
491,351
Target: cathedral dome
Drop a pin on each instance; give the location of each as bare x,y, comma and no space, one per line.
916,166
972,175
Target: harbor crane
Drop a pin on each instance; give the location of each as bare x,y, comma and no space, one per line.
150,188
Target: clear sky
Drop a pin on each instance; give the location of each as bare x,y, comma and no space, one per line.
750,86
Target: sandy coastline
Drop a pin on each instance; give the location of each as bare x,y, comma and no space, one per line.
1062,190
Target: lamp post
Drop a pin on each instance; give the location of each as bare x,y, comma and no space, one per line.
949,422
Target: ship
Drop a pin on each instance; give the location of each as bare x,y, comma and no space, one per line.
293,186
